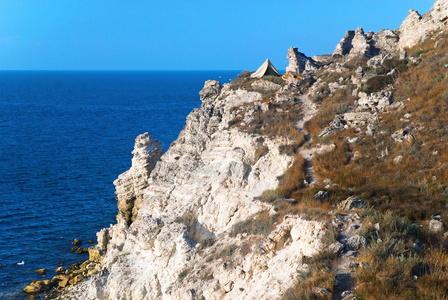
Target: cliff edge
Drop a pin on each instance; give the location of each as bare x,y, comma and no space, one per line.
175,237
322,180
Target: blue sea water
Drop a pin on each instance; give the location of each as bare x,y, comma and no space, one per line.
64,137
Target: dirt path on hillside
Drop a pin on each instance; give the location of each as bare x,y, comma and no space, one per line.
309,110
349,224
345,266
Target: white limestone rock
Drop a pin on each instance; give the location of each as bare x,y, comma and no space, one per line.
416,27
350,120
356,242
351,203
299,62
265,85
356,44
378,101
130,185
404,135
197,191
436,225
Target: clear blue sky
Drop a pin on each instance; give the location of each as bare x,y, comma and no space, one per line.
181,34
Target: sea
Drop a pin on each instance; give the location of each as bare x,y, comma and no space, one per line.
65,136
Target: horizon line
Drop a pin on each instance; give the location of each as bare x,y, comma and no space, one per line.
117,70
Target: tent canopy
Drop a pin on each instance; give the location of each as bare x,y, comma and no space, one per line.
267,68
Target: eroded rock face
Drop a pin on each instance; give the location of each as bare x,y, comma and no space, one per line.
130,185
416,27
299,62
357,44
178,245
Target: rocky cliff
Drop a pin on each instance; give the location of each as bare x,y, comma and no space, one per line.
207,220
414,29
175,235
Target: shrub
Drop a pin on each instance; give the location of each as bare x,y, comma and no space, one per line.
245,74
262,223
416,53
274,79
320,274
400,65
377,83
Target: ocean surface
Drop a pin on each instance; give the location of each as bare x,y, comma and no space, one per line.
65,136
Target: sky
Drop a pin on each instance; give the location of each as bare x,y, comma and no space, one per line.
181,34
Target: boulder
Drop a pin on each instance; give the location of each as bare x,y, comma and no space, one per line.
61,280
321,291
41,271
77,242
75,280
265,85
348,295
60,270
349,120
436,225
336,247
321,195
356,242
351,203
375,101
398,159
404,135
377,61
82,250
38,286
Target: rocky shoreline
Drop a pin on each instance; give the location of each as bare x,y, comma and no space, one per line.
64,277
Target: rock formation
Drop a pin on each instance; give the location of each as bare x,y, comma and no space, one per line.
131,184
181,228
173,238
299,62
357,44
416,27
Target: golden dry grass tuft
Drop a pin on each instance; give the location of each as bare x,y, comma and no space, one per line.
294,178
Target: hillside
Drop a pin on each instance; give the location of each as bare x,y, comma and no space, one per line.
330,182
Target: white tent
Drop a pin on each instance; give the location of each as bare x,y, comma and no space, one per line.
266,69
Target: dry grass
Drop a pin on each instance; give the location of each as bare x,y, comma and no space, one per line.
278,121
396,266
320,274
422,174
332,105
403,193
294,178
